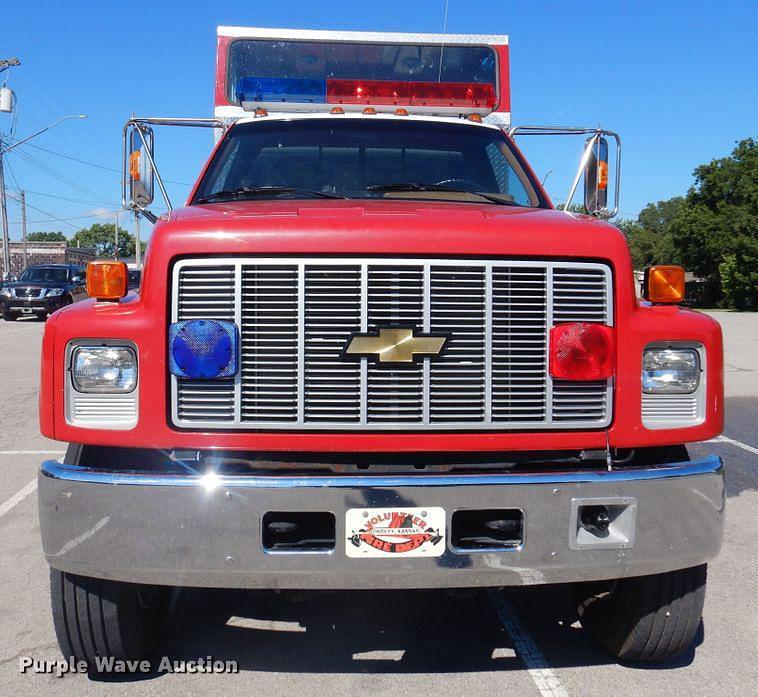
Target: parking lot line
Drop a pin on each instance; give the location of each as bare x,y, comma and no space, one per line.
32,452
542,675
18,497
737,443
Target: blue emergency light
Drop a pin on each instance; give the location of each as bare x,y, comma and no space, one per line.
281,89
203,349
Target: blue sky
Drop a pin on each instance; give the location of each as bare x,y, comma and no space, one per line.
677,79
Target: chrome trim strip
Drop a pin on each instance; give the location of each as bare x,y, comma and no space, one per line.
711,464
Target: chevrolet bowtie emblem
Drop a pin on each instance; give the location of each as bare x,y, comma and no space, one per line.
394,345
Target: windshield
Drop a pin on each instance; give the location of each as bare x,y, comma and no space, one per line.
367,158
44,274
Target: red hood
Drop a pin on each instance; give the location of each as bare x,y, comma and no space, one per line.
384,227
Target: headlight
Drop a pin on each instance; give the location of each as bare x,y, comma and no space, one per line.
53,292
670,371
6,292
111,369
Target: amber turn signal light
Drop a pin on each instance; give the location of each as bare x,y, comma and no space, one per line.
107,280
664,284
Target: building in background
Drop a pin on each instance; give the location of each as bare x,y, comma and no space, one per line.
45,253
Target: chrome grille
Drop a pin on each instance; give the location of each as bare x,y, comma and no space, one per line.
296,316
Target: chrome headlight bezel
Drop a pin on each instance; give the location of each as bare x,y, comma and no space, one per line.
54,292
119,369
670,370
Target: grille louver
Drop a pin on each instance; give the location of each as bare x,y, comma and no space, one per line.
206,292
296,317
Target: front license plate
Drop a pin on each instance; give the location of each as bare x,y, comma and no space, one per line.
395,532
26,310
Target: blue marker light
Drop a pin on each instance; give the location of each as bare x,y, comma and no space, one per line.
203,349
285,89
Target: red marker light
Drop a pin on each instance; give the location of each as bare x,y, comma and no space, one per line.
581,351
391,92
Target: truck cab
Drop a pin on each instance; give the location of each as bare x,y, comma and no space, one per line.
370,353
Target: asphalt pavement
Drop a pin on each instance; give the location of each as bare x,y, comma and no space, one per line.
525,642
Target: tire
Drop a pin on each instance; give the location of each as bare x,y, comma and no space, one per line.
9,317
97,618
646,618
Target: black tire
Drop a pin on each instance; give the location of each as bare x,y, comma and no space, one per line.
9,317
646,618
97,618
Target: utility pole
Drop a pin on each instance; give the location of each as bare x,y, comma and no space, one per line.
4,220
115,251
8,107
5,65
23,230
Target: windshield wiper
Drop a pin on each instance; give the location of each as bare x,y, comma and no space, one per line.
244,192
416,186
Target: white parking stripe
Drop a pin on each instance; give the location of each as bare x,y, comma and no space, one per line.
32,452
542,675
737,443
18,497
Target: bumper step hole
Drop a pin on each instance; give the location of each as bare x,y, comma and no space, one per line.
298,532
487,529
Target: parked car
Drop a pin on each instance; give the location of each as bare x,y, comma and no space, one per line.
135,279
43,289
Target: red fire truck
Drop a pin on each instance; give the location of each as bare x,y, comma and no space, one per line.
370,353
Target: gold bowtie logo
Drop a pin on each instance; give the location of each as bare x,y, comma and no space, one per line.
394,345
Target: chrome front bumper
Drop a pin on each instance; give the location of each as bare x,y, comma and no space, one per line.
193,531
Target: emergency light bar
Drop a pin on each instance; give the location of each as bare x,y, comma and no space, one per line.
283,70
286,94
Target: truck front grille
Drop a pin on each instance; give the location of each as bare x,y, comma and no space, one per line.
296,317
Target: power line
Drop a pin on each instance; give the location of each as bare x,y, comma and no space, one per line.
95,164
65,198
58,176
62,220
75,159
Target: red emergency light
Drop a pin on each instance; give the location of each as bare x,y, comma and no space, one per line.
474,95
581,351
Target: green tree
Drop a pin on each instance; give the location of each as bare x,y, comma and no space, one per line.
716,232
102,237
649,236
46,237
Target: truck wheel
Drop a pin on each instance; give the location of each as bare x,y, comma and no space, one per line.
97,618
646,618
9,317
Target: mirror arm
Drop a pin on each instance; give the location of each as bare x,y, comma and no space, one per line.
148,214
582,164
155,169
527,130
135,122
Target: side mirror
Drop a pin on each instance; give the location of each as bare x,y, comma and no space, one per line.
140,175
596,177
